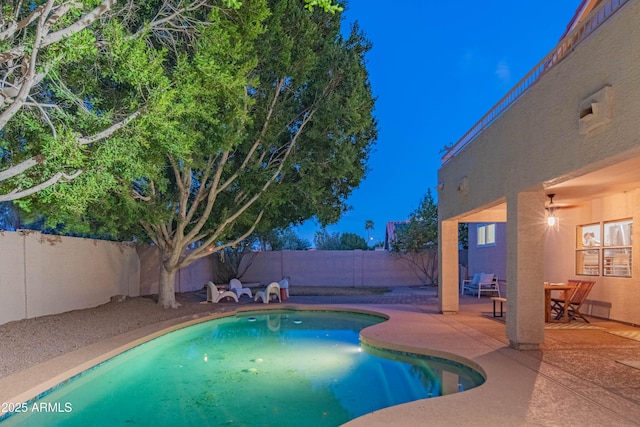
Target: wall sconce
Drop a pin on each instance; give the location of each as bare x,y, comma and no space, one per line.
552,219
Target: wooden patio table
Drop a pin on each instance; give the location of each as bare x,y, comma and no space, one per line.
547,301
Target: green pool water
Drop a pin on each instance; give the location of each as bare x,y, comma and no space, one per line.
278,369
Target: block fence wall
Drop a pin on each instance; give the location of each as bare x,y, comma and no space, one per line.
42,275
331,268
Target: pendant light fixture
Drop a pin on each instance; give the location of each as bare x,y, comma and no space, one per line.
552,219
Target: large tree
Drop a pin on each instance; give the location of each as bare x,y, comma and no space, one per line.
72,74
267,117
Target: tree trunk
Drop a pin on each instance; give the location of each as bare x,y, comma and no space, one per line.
166,289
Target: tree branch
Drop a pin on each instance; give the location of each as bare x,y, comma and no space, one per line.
58,177
109,131
200,196
15,26
29,77
21,167
204,250
80,24
211,198
260,138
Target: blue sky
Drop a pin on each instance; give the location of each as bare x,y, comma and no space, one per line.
436,68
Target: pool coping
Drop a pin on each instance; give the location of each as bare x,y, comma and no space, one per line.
519,389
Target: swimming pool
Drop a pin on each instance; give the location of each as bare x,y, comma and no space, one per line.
261,368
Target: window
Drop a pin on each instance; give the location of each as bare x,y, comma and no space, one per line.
609,257
616,257
587,255
486,234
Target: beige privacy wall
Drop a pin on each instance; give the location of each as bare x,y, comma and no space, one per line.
44,274
334,268
309,268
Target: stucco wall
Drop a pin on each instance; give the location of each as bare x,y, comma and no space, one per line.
611,297
309,268
488,259
44,275
12,277
333,268
537,143
537,140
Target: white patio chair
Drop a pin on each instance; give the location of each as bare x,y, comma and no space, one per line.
216,295
471,284
482,282
236,286
273,289
488,283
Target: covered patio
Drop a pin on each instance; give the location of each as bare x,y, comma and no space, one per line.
573,134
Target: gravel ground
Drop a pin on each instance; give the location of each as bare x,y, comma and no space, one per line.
28,342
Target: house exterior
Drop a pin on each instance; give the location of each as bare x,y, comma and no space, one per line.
571,129
390,232
487,251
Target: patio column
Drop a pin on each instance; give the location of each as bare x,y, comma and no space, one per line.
448,291
525,270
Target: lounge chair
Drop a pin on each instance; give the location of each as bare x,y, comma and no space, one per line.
216,295
576,299
236,286
273,289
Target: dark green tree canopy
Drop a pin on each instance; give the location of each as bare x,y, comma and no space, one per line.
338,242
416,241
74,73
350,241
289,240
325,241
265,118
421,232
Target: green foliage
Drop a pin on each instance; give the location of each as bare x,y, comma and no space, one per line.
463,235
235,4
289,240
326,5
326,241
239,126
329,71
421,233
350,241
416,242
338,242
92,79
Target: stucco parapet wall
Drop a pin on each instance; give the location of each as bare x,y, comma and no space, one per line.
539,139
